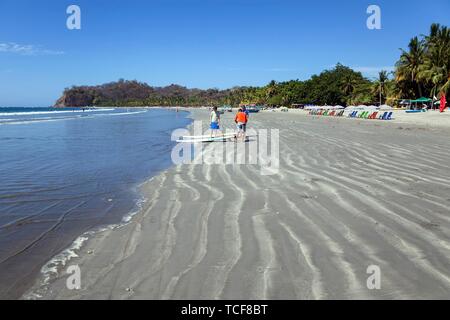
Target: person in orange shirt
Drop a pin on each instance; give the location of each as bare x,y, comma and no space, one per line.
241,120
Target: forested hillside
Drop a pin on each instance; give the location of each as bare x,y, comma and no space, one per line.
423,70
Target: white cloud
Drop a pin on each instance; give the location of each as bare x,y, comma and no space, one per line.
278,70
260,69
26,50
373,71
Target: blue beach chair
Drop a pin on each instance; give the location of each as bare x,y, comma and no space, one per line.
383,116
389,116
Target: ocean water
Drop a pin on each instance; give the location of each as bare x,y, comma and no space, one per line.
64,172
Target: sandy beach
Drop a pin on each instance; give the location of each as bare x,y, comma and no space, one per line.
349,194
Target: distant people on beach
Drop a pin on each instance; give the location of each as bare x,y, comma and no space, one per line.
241,121
244,109
215,121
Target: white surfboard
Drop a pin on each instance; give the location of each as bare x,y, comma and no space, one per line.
226,135
206,139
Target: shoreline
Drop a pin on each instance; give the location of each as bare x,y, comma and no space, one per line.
87,179
51,268
54,266
309,233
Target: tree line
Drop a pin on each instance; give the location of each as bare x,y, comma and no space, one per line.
423,70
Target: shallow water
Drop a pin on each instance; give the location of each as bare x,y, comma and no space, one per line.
64,172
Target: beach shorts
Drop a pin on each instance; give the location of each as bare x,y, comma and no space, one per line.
241,126
215,126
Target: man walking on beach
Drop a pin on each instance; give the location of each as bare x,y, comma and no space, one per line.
215,121
241,120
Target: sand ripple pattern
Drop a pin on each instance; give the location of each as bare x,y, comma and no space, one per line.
349,195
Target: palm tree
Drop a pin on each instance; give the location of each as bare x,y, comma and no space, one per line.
348,84
271,90
409,64
379,86
435,69
362,94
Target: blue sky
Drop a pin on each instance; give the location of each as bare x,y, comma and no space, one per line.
196,43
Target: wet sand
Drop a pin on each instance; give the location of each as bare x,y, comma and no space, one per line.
349,194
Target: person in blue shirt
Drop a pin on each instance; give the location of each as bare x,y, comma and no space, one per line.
245,110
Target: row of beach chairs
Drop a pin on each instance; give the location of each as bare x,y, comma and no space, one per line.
371,115
330,113
355,114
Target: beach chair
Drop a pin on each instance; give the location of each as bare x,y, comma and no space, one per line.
332,113
389,116
383,117
366,116
351,114
355,114
374,115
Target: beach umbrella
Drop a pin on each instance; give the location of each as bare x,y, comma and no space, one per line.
423,100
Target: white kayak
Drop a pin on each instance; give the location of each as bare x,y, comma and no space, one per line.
226,135
206,139
209,139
